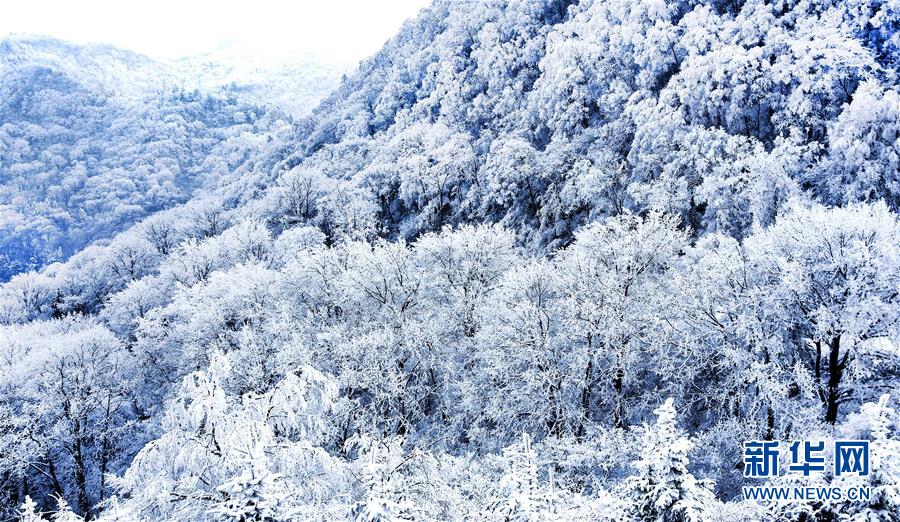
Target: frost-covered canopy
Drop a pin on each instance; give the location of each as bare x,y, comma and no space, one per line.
532,261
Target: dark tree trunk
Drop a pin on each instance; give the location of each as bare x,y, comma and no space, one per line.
836,365
54,478
554,421
84,504
819,371
105,449
619,407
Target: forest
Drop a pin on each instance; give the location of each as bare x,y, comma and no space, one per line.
533,260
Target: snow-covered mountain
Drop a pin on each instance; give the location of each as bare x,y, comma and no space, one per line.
94,138
98,66
294,84
531,261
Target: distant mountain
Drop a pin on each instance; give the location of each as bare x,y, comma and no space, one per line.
93,138
99,66
293,84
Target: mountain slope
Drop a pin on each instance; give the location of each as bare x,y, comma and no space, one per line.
570,115
93,138
533,259
102,67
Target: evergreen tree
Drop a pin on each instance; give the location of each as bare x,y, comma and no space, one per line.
64,513
250,496
663,489
522,496
28,511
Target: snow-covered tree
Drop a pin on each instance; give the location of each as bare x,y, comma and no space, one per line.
28,511
876,422
837,268
615,302
245,458
522,496
663,488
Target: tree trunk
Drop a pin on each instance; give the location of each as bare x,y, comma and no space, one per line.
770,415
836,365
105,449
819,387
586,391
554,421
84,504
54,478
619,407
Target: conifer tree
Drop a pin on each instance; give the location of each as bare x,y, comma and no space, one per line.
663,489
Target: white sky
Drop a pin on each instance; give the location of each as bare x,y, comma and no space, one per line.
339,31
